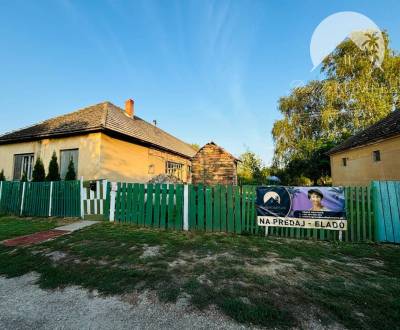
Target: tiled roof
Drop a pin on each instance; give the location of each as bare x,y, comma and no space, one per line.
383,129
104,117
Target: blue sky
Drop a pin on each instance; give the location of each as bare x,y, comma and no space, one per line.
205,70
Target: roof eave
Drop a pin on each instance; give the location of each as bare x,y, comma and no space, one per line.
128,138
48,136
333,151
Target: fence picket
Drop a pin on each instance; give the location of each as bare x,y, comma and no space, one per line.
149,206
163,219
171,223
192,208
208,204
230,217
200,207
223,197
238,215
217,209
157,203
179,207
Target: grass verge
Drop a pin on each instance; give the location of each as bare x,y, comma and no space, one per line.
11,227
267,282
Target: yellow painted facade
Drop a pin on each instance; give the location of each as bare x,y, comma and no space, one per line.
100,157
361,168
124,161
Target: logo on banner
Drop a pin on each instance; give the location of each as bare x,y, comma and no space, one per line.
275,201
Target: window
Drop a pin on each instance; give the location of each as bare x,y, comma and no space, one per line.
344,161
23,164
151,169
174,169
376,156
66,156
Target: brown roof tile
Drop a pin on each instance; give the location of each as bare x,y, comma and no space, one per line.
383,129
105,117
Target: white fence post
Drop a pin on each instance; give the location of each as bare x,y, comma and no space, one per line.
51,198
103,196
186,207
113,194
82,207
22,198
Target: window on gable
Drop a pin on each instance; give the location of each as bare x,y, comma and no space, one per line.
23,164
344,161
66,156
174,169
376,155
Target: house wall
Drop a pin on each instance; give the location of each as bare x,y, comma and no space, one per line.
212,165
100,157
128,162
361,168
88,145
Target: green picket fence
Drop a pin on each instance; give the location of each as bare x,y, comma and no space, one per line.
35,198
387,209
360,214
11,193
232,209
151,205
229,209
66,199
222,208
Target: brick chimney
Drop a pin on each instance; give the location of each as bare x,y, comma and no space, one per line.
129,108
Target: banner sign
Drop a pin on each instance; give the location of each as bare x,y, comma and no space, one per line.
301,207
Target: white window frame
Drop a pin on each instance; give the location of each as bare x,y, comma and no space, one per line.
27,165
174,169
76,163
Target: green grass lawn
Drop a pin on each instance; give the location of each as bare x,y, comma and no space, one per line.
12,227
255,280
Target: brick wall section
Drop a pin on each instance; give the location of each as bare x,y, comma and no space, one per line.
213,165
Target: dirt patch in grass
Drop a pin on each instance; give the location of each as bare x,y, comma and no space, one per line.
150,251
56,256
254,280
272,268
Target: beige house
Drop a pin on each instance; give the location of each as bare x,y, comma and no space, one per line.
104,141
372,154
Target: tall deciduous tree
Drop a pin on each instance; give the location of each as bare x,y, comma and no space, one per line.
54,172
352,94
38,174
251,169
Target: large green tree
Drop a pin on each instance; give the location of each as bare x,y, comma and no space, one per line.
251,169
352,94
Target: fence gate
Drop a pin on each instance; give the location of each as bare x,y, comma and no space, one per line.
94,196
150,205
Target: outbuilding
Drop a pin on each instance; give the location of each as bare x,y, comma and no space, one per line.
213,165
